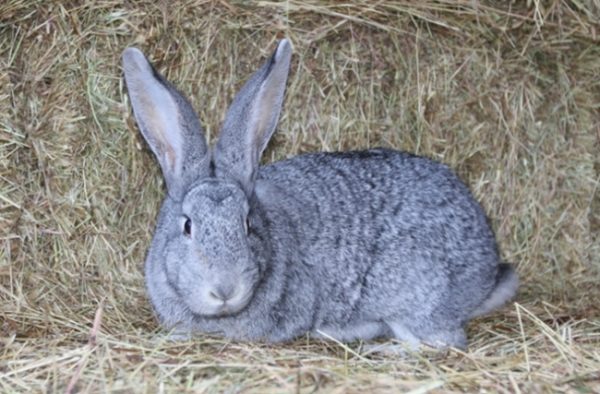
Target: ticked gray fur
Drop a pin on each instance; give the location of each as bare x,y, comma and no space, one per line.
352,245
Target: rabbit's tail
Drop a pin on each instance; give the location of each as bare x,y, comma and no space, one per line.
507,282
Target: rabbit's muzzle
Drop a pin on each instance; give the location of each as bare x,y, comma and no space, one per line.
216,290
227,299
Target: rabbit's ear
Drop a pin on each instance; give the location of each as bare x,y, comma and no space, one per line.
252,118
167,122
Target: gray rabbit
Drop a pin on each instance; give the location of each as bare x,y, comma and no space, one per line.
352,245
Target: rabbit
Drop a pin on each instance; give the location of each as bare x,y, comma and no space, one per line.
347,245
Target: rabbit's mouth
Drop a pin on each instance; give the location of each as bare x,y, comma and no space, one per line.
233,306
219,304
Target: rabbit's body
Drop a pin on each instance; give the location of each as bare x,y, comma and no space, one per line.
343,223
349,245
361,216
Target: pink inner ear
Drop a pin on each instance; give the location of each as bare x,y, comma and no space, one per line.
170,156
267,105
262,115
158,117
158,125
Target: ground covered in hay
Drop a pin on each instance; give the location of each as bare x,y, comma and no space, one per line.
507,93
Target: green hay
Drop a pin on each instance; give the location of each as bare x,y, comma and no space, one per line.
506,93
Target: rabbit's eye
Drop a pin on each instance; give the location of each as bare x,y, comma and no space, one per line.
187,226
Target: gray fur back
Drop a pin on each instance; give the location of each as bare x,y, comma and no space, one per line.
387,234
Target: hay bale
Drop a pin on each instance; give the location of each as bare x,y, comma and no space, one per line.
508,94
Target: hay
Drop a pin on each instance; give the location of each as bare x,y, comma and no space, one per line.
507,93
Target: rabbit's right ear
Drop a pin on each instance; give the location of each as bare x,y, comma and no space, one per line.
167,122
252,118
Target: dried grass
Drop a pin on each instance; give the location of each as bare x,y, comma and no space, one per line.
507,93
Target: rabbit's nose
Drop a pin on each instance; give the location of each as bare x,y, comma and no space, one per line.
222,292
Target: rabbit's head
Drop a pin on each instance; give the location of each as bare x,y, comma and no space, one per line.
202,242
208,260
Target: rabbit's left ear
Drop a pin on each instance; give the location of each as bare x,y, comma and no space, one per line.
167,122
252,118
